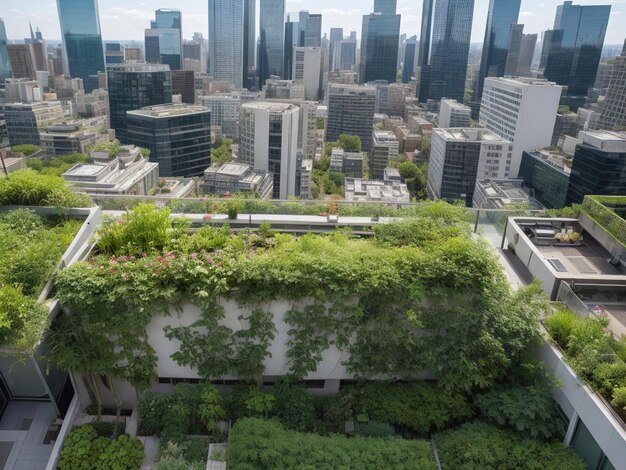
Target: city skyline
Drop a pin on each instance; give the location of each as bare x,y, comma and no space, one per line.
121,22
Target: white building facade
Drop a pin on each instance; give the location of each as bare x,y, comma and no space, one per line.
307,63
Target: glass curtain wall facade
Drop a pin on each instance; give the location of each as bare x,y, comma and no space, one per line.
313,31
292,35
444,48
379,47
169,24
226,41
408,64
5,63
82,40
249,43
575,48
386,7
548,184
272,39
502,15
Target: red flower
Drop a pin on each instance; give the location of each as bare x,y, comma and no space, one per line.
207,216
112,270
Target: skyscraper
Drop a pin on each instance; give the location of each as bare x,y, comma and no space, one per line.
272,39
226,41
526,54
292,40
379,47
82,41
134,86
386,7
164,39
5,64
515,46
444,48
576,47
614,105
306,68
408,63
312,31
351,111
249,43
336,36
502,14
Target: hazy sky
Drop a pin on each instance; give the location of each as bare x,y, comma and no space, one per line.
127,19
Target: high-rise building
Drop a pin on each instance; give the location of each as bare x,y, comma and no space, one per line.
82,41
336,36
444,48
226,41
546,45
546,175
351,111
613,107
292,40
269,142
526,54
177,135
132,54
113,53
135,86
306,68
184,84
599,166
195,51
522,111
224,114
5,63
410,58
164,39
22,60
498,33
310,29
386,7
284,89
515,47
454,114
40,50
576,47
385,147
25,121
249,43
379,47
346,58
460,156
272,40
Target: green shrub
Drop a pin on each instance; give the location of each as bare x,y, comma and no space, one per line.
151,408
123,453
103,428
560,325
619,398
78,452
334,411
374,429
22,319
607,376
210,407
481,446
419,407
176,419
259,404
258,444
26,187
530,410
293,406
26,149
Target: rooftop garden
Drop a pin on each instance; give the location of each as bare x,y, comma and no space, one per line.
29,188
30,250
609,213
593,352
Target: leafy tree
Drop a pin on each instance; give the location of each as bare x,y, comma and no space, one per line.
467,96
222,152
408,170
564,109
415,177
319,123
350,143
425,149
210,407
26,149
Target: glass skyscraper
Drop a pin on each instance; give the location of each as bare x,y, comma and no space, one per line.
292,40
249,42
502,14
444,43
82,41
226,41
272,39
5,63
379,46
167,27
575,48
386,7
408,63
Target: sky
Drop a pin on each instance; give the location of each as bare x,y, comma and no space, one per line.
124,20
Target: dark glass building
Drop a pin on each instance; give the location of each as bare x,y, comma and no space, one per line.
272,39
165,38
386,7
408,64
575,49
177,135
351,111
546,177
444,48
134,86
379,47
249,43
227,29
82,41
502,15
5,63
292,38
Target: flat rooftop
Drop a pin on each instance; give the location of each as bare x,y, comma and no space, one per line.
169,110
468,134
274,106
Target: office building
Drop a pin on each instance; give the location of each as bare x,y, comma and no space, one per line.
224,114
502,195
410,59
184,84
93,104
292,40
82,41
390,191
336,36
546,174
22,90
310,29
236,178
385,147
22,60
613,108
164,39
575,49
346,57
522,111
526,55
515,46
351,111
460,156
284,89
306,178
5,63
113,53
454,114
565,124
272,39
249,44
25,121
307,64
348,163
177,135
74,137
379,47
226,41
444,47
499,31
599,166
132,54
385,7
196,52
134,86
39,48
269,142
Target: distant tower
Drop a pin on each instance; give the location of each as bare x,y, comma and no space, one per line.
82,41
5,63
164,39
249,43
272,40
379,43
226,41
614,105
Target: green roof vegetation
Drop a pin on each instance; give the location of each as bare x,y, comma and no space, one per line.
26,149
29,188
31,248
56,166
603,211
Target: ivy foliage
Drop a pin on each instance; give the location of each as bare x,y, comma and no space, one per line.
481,446
259,444
422,294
